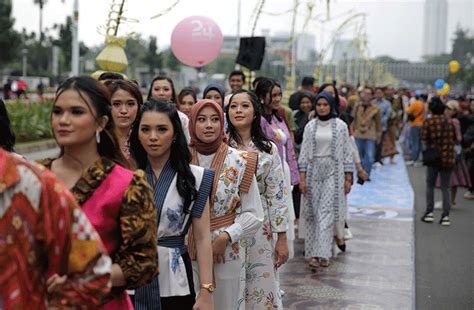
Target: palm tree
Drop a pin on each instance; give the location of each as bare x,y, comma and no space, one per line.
41,4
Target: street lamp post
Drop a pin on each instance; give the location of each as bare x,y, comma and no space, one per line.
24,53
75,40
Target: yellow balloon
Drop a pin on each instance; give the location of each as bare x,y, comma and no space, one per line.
453,66
444,91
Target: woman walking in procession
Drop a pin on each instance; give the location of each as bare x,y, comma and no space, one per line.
126,100
117,201
326,165
263,255
162,88
181,193
235,206
269,93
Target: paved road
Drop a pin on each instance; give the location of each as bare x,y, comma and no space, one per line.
42,154
444,256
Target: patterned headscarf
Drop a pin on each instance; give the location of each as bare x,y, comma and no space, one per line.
201,147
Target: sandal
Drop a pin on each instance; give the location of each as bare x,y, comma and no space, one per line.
324,262
314,263
341,244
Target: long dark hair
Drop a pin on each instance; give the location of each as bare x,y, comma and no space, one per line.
161,78
7,137
261,141
129,87
180,156
336,95
99,97
265,86
187,91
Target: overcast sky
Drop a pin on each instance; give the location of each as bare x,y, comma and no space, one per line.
394,27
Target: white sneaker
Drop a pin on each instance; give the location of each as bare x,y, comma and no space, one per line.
282,292
469,195
438,205
348,234
409,163
417,164
376,165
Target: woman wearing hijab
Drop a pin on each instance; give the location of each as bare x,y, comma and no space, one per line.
214,92
326,165
235,206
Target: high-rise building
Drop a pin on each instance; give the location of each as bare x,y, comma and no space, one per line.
435,27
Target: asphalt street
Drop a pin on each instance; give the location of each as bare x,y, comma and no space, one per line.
444,256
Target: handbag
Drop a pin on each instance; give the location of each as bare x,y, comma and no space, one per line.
431,157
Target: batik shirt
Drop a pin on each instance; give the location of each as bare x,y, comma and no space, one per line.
119,203
43,232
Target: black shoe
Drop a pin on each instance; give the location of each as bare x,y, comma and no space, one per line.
342,247
428,217
445,221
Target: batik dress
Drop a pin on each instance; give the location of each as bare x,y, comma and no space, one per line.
324,203
42,232
262,290
119,204
175,278
236,209
277,131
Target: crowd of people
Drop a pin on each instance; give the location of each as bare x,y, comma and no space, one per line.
198,201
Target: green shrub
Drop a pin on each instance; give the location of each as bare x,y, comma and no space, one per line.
30,121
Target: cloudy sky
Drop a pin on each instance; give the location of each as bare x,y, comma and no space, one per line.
394,27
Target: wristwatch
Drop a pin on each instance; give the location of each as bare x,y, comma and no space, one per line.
208,286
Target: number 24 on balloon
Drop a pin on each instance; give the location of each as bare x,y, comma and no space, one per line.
199,32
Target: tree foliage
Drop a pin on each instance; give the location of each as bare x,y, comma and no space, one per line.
152,58
463,52
9,38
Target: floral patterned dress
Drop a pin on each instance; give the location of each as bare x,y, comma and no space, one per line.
262,290
248,219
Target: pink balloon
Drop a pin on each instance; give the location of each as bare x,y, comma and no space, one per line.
196,41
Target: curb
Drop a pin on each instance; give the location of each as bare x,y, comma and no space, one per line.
36,147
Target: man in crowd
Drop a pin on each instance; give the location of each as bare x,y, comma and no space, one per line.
236,83
415,115
43,232
385,112
367,126
236,80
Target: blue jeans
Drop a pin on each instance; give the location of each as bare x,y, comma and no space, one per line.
366,149
414,142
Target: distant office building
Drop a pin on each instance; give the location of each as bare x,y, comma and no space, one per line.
344,50
306,47
278,44
435,27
